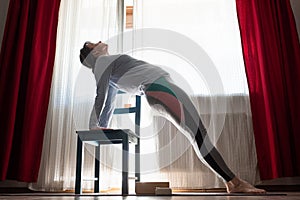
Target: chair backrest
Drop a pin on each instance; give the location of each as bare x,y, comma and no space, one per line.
137,110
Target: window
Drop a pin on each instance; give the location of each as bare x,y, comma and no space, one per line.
129,17
211,24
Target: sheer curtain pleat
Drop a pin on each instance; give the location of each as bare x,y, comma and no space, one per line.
213,25
72,94
235,143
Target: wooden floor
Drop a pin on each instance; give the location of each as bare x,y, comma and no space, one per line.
190,196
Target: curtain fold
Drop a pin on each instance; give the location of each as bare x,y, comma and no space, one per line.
72,95
272,60
26,60
213,25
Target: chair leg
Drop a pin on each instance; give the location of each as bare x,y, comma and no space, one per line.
137,162
125,165
97,170
79,158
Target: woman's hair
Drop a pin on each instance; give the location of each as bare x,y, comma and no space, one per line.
86,58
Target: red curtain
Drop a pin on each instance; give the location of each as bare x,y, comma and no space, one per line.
272,60
26,65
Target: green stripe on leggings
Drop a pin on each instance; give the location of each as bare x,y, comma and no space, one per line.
161,85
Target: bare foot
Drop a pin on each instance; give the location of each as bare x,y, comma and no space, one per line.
237,185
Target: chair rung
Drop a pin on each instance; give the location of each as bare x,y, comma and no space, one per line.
90,179
119,111
95,179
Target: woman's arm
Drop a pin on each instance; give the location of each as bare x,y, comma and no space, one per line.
102,93
109,106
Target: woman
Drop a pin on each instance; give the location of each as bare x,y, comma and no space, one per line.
122,72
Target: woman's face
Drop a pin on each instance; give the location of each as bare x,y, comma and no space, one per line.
99,48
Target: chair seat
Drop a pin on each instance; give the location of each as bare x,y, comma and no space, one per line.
107,136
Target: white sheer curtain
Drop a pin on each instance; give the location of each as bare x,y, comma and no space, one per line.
72,92
211,24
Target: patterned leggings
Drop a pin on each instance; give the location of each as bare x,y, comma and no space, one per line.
172,102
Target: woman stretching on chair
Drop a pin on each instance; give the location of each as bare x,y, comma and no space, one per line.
114,72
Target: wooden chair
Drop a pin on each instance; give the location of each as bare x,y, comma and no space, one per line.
107,137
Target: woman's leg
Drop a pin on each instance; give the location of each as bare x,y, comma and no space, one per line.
167,97
180,108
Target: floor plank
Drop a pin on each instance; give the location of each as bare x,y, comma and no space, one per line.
220,196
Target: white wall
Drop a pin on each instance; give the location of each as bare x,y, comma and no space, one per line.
3,12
